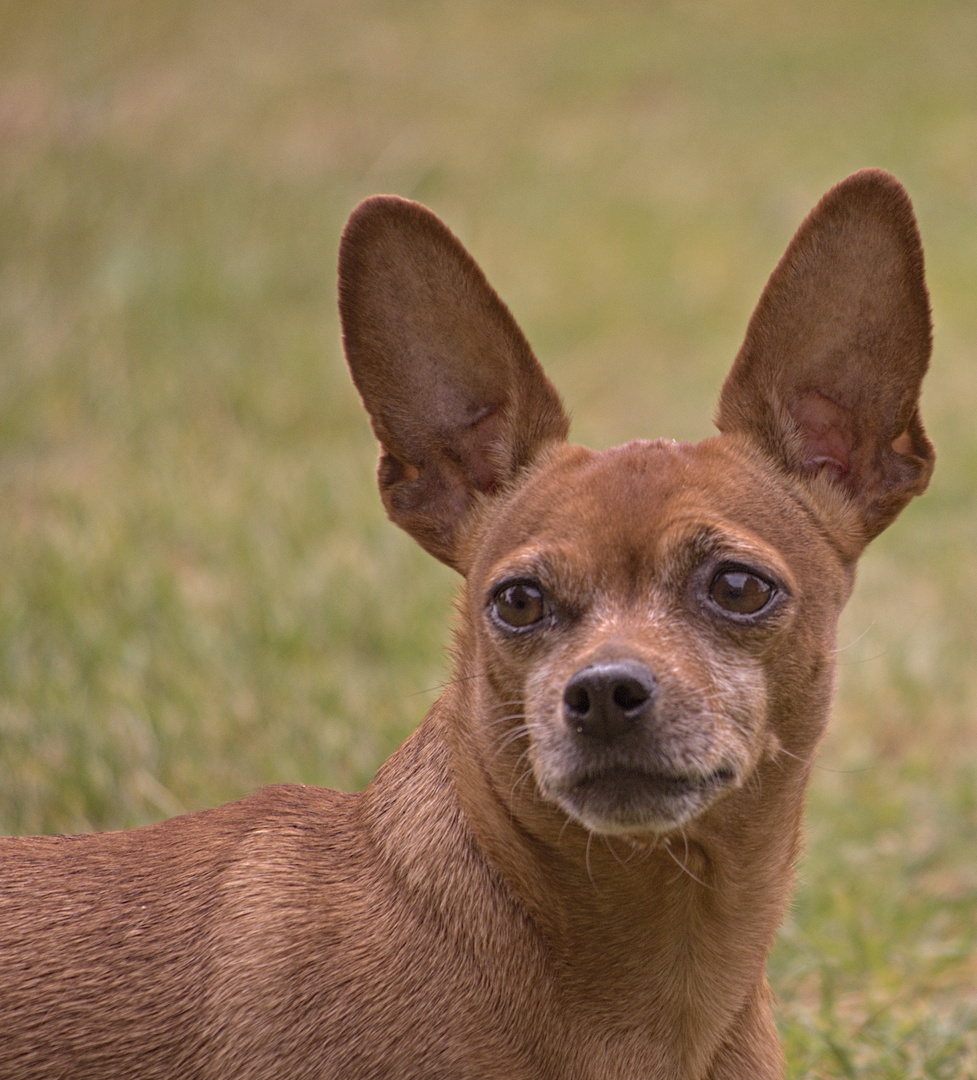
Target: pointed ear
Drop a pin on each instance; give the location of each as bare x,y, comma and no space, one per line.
456,397
828,378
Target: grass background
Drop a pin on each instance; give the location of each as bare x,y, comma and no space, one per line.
198,592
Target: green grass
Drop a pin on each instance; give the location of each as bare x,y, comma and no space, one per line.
199,593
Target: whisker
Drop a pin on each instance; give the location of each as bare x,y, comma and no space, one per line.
590,875
683,866
521,779
865,659
855,641
623,863
441,687
813,763
507,718
510,737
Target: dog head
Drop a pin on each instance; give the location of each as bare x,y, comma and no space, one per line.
645,626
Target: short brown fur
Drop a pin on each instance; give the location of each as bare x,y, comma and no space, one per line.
577,865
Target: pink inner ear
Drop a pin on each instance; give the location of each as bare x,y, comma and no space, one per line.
826,431
903,444
474,445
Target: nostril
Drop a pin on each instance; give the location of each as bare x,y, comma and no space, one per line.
577,699
629,695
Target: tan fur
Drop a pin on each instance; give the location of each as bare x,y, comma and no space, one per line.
576,867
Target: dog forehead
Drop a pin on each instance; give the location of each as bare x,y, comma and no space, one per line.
640,486
633,507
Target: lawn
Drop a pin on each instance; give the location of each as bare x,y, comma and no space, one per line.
199,592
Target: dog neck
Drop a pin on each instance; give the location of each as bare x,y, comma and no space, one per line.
686,920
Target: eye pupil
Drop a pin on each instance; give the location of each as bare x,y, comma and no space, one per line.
519,605
740,592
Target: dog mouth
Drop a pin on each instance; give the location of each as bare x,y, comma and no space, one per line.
622,799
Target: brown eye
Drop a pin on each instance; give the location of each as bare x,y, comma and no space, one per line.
740,592
518,605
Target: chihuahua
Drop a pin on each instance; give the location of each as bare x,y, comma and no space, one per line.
576,867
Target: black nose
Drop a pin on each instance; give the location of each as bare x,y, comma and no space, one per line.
604,701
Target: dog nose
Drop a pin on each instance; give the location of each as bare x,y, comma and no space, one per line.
604,701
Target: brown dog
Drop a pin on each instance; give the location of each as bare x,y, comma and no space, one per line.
577,865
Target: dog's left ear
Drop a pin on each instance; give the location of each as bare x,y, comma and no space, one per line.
828,378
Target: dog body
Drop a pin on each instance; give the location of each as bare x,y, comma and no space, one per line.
576,866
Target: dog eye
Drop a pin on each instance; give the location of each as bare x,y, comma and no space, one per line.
518,604
740,591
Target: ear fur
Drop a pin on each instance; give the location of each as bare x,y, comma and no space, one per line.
828,378
456,397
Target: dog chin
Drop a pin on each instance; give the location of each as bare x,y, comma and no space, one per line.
627,801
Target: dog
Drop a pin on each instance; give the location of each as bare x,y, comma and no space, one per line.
576,866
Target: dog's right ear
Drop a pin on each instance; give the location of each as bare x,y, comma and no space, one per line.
455,396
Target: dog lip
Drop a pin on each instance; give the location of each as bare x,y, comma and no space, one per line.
629,798
667,783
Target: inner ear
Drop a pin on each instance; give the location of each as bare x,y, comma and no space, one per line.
827,433
829,375
455,395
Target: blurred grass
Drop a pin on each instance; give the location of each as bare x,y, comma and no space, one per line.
199,593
